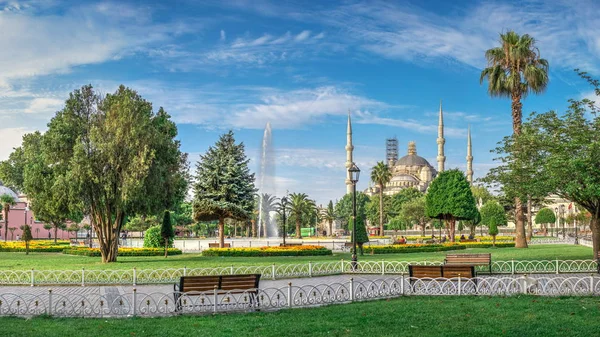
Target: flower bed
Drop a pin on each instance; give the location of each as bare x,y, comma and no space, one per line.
412,248
269,251
93,252
41,246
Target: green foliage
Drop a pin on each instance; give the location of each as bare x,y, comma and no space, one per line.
11,170
26,233
414,212
480,193
361,230
330,216
450,198
94,252
397,223
224,185
493,229
343,208
266,251
302,211
381,175
183,214
166,231
373,207
545,216
153,238
6,201
492,214
403,249
405,195
140,223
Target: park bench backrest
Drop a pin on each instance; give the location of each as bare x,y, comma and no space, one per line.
239,282
458,271
220,282
216,245
198,283
425,271
472,259
347,244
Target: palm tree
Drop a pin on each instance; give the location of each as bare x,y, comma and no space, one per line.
381,175
514,70
267,205
302,209
329,216
6,201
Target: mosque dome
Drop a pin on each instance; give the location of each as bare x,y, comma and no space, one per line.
404,177
412,159
6,190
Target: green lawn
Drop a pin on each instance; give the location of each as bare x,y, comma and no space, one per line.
61,261
408,316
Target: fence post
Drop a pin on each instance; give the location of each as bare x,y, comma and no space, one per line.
309,269
184,271
382,267
135,301
83,277
290,302
524,290
199,245
512,266
402,285
231,270
32,277
557,266
273,271
352,289
459,290
215,299
49,302
134,276
592,284
342,266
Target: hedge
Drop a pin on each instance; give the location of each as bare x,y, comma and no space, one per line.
269,251
410,248
487,244
94,252
41,246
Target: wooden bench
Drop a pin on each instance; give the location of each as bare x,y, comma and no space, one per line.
484,259
288,244
445,271
216,245
452,271
424,271
230,284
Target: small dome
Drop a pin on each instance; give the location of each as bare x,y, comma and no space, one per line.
6,190
403,177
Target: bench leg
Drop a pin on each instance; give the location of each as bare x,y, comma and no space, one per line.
177,303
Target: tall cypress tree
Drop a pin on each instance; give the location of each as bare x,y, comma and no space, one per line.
224,185
166,230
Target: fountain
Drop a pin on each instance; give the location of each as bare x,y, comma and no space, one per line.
266,185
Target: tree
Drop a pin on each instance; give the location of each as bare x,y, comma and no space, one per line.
568,146
48,227
166,230
398,199
73,228
361,232
544,217
11,170
139,223
301,210
381,175
330,216
373,208
397,223
224,185
267,205
514,70
12,232
343,208
481,194
414,212
493,215
6,201
449,198
26,237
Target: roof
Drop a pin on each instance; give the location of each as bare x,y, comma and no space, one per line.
412,160
6,190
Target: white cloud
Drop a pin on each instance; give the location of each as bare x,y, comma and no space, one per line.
11,138
44,105
223,35
303,35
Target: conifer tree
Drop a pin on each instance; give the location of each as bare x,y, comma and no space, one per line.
27,237
166,230
224,185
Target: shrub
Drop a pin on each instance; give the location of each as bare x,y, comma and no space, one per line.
269,251
153,238
43,246
412,248
94,252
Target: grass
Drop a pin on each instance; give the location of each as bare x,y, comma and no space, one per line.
407,316
58,261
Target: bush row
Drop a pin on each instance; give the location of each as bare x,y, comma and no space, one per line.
269,251
93,252
416,248
487,244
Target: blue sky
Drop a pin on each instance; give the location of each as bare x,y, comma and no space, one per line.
217,65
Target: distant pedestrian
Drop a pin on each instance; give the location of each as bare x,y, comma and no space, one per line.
49,235
18,238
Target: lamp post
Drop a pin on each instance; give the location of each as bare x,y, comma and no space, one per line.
284,201
354,174
556,222
576,225
562,215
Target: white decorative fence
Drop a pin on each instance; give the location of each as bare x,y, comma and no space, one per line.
164,276
164,304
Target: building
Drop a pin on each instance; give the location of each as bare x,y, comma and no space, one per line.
18,215
411,170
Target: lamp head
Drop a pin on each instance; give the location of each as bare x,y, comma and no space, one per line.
354,173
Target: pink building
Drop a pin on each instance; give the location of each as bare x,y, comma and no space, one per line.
20,214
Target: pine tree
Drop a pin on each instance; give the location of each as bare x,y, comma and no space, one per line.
224,185
166,230
361,232
27,237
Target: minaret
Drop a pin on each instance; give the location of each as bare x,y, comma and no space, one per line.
349,149
469,157
441,159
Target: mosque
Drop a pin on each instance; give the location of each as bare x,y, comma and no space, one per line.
411,170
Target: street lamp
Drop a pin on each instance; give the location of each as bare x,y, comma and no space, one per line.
354,174
556,222
562,214
284,202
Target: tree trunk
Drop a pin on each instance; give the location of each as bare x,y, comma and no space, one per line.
381,209
423,226
595,227
298,235
520,239
221,232
517,116
452,228
26,247
529,220
253,223
6,210
55,232
166,246
494,240
330,228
